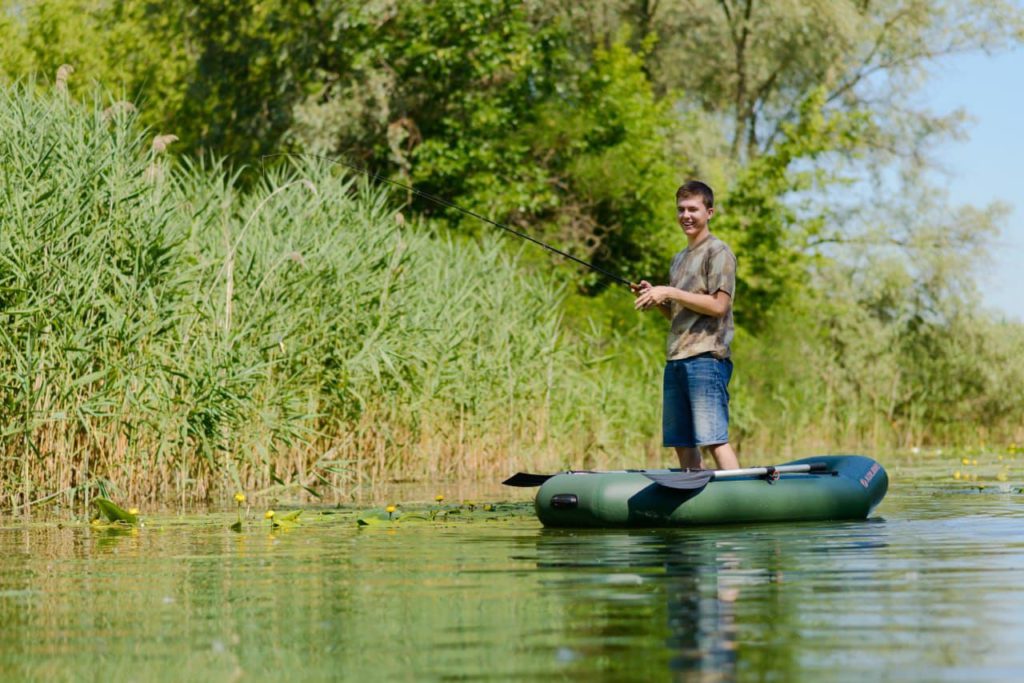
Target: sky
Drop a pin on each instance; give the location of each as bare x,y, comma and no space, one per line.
989,164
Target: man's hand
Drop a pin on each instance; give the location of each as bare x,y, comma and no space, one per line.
648,297
640,288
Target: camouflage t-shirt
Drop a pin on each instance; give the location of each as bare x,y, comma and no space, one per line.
705,269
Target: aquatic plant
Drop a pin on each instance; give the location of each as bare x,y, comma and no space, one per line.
114,513
239,501
466,512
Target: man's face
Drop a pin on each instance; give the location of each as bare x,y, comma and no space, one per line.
693,215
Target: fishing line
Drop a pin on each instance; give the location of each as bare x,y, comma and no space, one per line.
451,205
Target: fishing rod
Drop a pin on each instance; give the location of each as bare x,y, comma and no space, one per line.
451,205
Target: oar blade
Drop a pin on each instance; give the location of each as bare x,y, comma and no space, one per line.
526,480
686,480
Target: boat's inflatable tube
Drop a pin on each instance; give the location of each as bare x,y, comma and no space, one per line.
851,488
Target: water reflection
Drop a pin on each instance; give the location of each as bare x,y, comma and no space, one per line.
689,590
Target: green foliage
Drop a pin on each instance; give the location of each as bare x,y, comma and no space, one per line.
606,152
248,66
491,111
760,219
133,47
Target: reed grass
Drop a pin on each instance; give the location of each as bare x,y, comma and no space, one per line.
171,338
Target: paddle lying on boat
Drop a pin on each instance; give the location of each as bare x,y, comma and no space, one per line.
683,480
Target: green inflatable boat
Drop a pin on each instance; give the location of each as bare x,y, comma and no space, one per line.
831,487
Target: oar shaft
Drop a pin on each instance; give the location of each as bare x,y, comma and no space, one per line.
723,474
763,471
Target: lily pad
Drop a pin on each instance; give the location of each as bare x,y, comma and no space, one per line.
114,512
395,520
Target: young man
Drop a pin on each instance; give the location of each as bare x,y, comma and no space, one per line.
698,302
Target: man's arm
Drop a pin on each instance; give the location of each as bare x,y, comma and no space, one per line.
716,305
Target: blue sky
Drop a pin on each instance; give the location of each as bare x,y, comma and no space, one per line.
989,165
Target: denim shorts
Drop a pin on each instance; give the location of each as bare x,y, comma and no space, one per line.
695,401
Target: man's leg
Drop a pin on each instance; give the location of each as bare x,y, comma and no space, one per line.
724,456
677,418
689,458
708,382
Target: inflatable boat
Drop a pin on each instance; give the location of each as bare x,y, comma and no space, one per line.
831,487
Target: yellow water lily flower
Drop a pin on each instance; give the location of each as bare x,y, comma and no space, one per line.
439,497
133,511
389,509
239,498
956,475
269,514
965,461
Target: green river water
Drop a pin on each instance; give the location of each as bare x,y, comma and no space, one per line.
931,588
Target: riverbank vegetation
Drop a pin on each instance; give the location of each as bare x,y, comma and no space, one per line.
197,299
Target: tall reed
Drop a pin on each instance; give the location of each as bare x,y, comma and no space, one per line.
171,337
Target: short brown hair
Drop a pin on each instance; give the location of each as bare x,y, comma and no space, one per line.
696,188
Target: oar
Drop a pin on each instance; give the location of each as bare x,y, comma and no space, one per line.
684,480
527,479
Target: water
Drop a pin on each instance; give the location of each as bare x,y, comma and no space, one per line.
930,589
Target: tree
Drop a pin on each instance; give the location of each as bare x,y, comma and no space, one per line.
482,103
